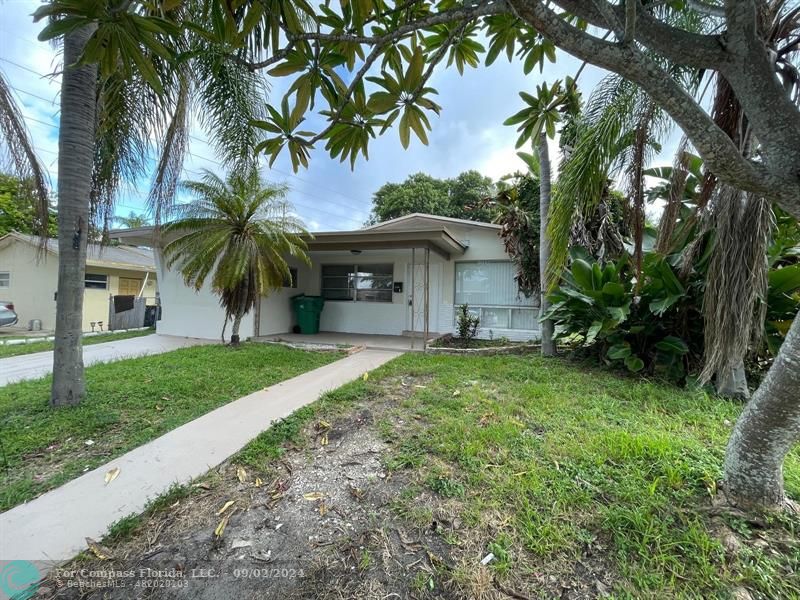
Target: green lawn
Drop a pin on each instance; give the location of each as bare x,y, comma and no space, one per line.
559,470
20,349
129,403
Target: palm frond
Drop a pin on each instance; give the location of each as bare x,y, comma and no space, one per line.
161,198
229,98
17,146
736,282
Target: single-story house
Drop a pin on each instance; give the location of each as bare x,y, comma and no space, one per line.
29,278
374,282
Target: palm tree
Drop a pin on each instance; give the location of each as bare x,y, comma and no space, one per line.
121,89
240,232
538,122
134,220
547,328
75,149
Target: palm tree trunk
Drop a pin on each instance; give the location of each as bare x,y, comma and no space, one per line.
766,430
237,321
75,157
548,345
732,382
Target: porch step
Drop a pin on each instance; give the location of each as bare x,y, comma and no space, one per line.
432,335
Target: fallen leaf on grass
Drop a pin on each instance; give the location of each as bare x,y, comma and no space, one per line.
99,551
365,376
226,506
457,393
241,474
159,408
322,426
112,475
258,482
223,524
323,440
323,509
313,496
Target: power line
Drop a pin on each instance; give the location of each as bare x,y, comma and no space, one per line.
353,207
357,207
212,161
27,93
24,68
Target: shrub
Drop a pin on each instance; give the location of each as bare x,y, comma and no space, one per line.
467,324
598,307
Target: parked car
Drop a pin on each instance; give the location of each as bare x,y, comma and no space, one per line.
7,315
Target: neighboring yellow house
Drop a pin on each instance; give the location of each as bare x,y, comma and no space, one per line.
29,278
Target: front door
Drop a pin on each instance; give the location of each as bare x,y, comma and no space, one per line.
415,315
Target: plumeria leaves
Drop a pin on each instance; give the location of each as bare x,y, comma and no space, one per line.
284,123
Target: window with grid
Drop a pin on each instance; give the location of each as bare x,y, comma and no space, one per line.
360,283
129,286
5,279
490,289
96,281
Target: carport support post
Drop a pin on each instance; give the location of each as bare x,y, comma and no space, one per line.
413,268
427,296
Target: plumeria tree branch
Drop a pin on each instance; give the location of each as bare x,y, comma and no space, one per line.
533,29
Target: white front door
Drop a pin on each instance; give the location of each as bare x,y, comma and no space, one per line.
415,315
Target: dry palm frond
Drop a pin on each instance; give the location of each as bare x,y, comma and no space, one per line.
170,163
636,180
736,283
16,142
677,185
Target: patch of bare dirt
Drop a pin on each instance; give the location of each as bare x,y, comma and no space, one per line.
327,521
320,526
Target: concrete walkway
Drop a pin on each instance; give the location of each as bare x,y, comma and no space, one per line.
52,528
398,343
33,366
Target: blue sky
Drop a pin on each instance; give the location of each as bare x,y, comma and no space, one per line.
328,195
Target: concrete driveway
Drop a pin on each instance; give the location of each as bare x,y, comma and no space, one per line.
33,366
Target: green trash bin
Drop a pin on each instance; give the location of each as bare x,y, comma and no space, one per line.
307,310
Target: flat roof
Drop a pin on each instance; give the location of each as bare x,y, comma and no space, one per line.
423,220
437,239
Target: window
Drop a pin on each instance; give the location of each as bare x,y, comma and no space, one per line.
129,286
291,282
363,283
94,281
5,279
491,291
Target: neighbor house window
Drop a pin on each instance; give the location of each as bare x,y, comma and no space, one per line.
96,281
5,279
491,291
361,283
291,282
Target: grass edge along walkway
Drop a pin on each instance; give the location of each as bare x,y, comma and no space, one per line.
129,403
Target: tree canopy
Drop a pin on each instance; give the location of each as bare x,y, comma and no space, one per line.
461,197
18,210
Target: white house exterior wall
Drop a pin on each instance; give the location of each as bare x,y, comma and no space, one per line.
198,314
388,318
188,313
